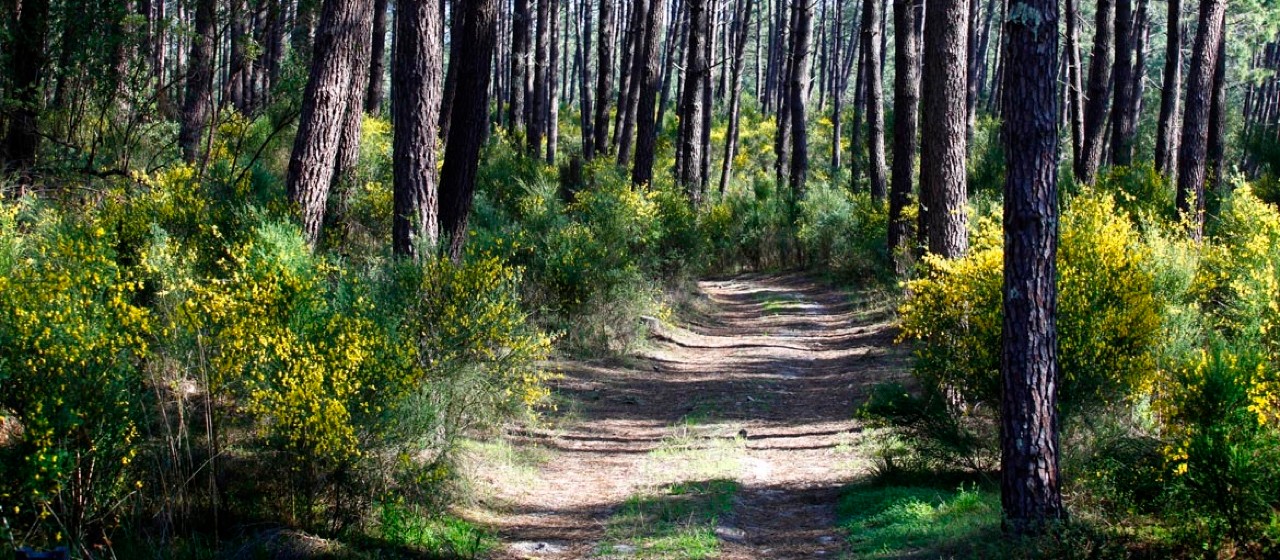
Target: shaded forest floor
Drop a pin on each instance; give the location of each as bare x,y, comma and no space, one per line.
729,435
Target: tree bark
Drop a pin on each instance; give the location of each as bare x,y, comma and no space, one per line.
1193,146
519,65
1218,121
377,59
877,169
1170,95
639,64
553,81
689,143
1095,111
906,100
344,24
646,104
539,103
943,112
1124,128
466,137
416,82
198,108
1029,479
799,72
604,76
1075,81
584,81
743,22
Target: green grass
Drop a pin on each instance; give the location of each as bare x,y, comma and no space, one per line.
898,521
678,522
437,535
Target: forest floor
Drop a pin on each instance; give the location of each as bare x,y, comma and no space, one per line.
727,435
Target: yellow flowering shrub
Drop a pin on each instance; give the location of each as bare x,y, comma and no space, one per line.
1108,318
72,342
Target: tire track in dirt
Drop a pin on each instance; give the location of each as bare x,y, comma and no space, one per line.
771,369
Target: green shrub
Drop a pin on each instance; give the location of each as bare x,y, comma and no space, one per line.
1140,191
845,233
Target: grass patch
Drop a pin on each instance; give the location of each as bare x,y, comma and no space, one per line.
898,521
678,522
440,536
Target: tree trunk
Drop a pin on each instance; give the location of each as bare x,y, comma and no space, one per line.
1075,89
837,92
1218,120
647,86
639,63
906,100
604,76
344,24
877,170
553,81
1193,146
377,59
26,62
743,22
1123,127
198,108
799,67
1095,111
584,81
689,144
416,82
519,65
971,83
1170,95
538,104
943,112
471,113
1029,476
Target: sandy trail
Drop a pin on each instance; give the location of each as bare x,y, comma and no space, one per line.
780,359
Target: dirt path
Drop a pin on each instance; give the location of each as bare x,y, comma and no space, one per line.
759,388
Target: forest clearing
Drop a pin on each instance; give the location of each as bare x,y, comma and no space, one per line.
669,279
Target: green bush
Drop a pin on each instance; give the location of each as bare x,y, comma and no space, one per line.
845,233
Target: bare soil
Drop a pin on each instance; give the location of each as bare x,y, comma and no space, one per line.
759,384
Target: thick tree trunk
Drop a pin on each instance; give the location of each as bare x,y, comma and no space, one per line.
604,76
906,100
799,72
942,144
1124,128
1029,479
1167,127
877,168
377,59
198,108
25,65
743,22
647,91
689,143
1193,147
416,88
1095,111
466,136
344,24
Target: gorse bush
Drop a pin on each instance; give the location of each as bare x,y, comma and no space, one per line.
72,343
1108,318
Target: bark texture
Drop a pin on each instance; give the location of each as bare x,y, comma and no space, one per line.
943,110
1194,145
1099,93
1029,479
906,100
877,169
416,88
198,106
647,90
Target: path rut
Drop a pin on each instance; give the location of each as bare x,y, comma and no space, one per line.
759,387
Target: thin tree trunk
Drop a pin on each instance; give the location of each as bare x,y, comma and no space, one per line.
1193,146
1218,121
541,94
1095,111
584,80
377,59
837,92
553,82
604,76
743,22
520,36
1170,95
799,78
906,100
1075,88
1123,127
639,64
877,170
471,111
